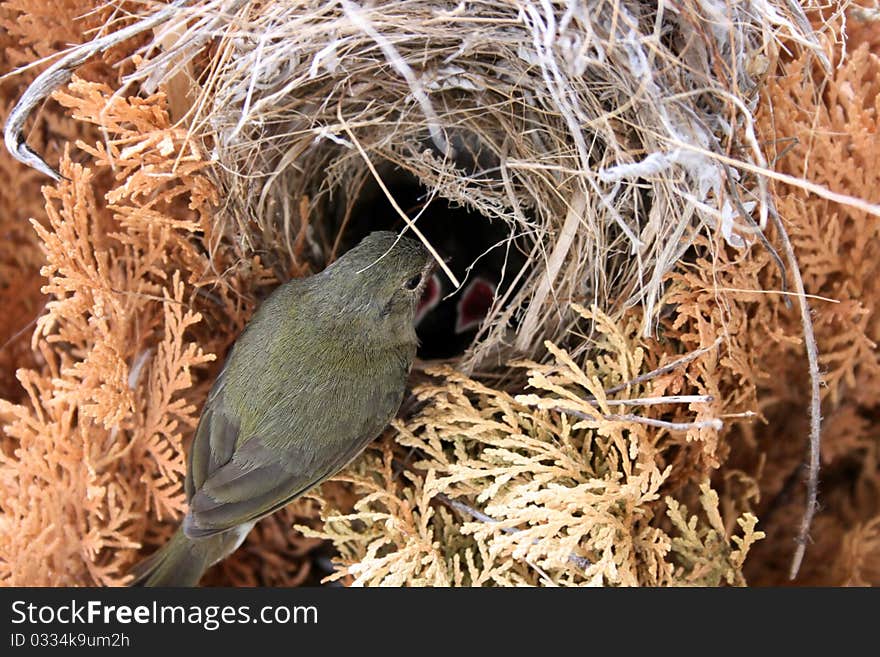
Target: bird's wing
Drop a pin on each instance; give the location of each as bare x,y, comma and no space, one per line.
234,479
214,441
276,424
255,482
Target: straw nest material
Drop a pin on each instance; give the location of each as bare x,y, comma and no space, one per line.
591,129
615,151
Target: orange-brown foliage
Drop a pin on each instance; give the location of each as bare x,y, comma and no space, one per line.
120,301
127,342
835,123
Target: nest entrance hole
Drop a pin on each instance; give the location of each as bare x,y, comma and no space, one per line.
481,252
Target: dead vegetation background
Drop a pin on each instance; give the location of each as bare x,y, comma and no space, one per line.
122,292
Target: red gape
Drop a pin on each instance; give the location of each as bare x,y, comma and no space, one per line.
474,304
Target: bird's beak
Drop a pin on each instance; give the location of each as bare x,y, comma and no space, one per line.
429,297
427,270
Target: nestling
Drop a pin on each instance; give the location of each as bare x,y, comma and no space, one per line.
315,376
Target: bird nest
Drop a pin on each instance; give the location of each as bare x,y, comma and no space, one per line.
589,155
595,137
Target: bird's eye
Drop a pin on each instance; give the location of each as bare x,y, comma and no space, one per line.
413,283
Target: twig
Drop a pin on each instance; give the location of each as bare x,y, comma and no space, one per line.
815,400
544,576
15,336
665,369
817,297
137,367
794,181
666,399
737,201
792,142
714,423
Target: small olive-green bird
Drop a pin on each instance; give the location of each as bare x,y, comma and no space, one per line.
316,375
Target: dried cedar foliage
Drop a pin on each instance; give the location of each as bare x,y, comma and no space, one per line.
91,464
27,31
837,124
135,311
24,36
505,489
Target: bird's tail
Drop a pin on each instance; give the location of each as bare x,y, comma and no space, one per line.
180,562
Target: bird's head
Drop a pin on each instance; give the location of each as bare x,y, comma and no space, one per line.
379,282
